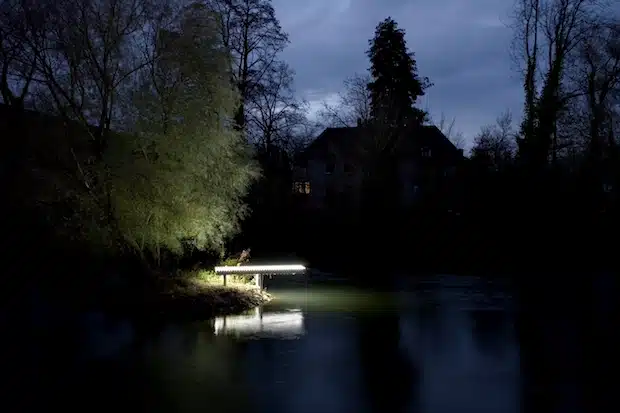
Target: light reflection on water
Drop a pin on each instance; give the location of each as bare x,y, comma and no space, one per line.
258,324
432,349
333,299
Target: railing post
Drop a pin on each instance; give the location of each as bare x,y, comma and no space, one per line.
224,279
259,281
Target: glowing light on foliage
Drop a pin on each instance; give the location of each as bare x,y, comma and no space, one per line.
182,177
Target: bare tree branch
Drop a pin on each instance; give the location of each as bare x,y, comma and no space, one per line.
352,106
448,129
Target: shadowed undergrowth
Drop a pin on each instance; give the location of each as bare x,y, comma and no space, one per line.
201,294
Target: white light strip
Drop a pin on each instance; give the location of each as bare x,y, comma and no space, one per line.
255,269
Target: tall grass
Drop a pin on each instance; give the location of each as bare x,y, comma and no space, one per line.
211,278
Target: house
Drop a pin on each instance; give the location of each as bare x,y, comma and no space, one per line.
329,174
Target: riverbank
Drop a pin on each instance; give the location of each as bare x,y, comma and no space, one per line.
203,296
183,296
180,296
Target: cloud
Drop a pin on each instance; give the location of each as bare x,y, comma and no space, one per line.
462,46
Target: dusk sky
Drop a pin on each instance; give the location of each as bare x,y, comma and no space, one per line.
461,45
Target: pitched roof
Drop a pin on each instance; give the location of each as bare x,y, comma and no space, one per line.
435,140
346,141
343,140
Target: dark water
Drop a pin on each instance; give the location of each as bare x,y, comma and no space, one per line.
444,344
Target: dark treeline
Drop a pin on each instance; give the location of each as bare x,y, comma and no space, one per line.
540,194
121,152
136,133
545,191
166,133
148,136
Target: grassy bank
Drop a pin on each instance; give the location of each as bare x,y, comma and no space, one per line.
200,294
187,295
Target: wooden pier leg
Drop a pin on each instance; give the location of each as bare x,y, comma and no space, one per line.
259,281
224,278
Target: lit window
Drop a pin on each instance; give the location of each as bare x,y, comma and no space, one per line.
301,187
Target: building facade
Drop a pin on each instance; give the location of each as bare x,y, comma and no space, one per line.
330,173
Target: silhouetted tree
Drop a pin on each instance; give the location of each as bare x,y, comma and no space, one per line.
560,164
275,113
352,106
254,37
394,89
270,115
17,65
547,35
179,171
77,57
395,85
84,55
494,146
596,73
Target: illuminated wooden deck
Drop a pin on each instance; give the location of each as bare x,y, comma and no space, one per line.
259,271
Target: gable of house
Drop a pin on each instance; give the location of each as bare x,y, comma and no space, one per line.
333,142
351,143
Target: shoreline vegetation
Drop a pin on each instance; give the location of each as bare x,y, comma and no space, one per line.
187,295
130,290
183,296
201,294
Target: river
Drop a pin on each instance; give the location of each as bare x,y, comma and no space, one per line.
433,345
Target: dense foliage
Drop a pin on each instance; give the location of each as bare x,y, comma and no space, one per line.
137,152
395,85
